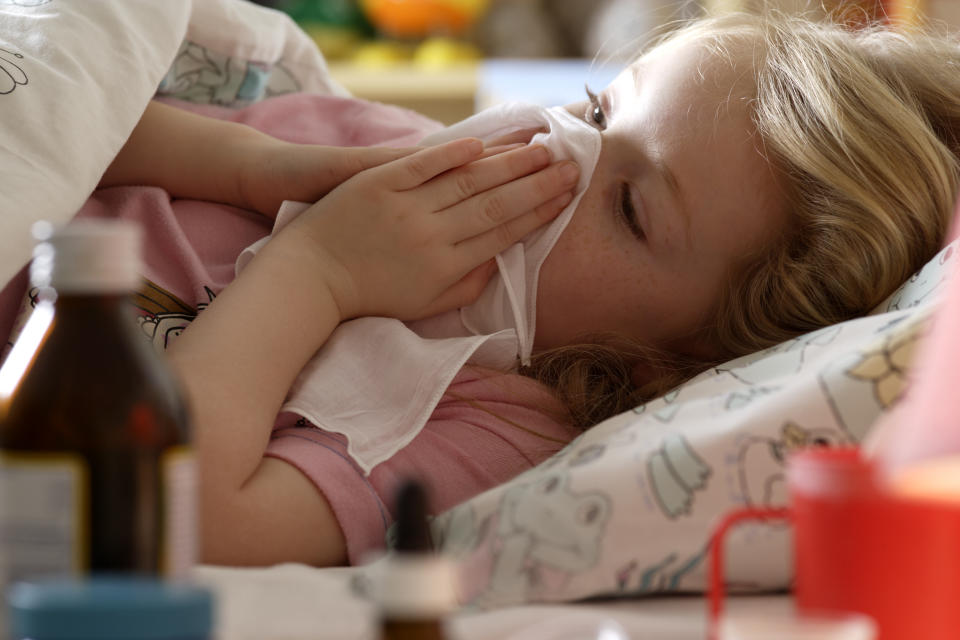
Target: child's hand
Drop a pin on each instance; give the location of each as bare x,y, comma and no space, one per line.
273,170
415,237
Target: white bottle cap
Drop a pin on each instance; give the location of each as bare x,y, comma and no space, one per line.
87,256
416,586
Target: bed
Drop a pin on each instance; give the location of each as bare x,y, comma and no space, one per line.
293,602
632,500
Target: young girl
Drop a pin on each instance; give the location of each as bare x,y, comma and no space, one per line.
758,178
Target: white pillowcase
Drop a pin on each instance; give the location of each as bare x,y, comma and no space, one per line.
75,76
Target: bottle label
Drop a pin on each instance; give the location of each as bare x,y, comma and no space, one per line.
179,546
43,514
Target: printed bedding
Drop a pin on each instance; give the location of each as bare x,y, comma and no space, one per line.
623,510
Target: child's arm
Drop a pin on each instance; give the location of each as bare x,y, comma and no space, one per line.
192,156
407,239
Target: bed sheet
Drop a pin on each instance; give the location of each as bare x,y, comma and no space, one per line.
295,602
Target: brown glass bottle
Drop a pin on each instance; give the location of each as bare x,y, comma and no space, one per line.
91,415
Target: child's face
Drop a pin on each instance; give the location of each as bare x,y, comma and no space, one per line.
679,149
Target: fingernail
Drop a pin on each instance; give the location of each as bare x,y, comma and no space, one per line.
569,171
474,146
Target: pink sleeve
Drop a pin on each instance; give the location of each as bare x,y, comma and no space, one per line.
355,500
487,429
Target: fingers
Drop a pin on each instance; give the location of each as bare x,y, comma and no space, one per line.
498,149
479,176
492,242
499,205
417,168
521,135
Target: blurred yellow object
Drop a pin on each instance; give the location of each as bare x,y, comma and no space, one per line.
334,42
440,53
382,53
419,18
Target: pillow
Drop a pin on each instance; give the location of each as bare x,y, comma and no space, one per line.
236,53
626,509
75,76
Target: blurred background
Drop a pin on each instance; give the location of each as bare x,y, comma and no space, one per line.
449,58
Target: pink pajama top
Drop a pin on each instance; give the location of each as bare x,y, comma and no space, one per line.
489,426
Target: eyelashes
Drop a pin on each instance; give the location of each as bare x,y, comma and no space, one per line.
595,114
628,213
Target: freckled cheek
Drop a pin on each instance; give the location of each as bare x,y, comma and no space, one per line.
596,279
608,286
580,282
566,287
559,275
578,255
643,311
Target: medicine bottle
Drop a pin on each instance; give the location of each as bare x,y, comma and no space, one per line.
416,587
96,474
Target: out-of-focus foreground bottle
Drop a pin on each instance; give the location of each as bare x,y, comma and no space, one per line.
96,474
416,587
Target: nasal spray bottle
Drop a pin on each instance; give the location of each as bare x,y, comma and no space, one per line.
417,586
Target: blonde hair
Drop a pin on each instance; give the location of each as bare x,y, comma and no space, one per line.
862,128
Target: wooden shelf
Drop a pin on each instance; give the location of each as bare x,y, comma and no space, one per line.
446,94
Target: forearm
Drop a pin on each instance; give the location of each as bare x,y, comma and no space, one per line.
241,355
189,155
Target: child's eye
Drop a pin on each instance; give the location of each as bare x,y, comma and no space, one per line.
595,114
628,212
